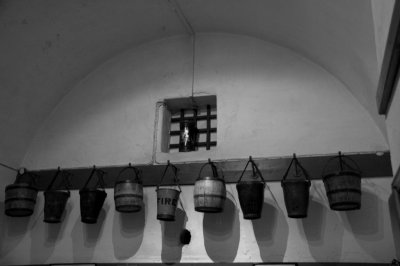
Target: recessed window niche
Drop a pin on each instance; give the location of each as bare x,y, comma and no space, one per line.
189,124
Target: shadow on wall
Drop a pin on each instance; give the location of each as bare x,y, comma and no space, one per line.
44,236
394,209
366,224
323,231
171,245
85,236
271,232
127,233
222,233
13,230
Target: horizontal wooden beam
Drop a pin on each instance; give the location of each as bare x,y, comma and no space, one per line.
272,169
390,64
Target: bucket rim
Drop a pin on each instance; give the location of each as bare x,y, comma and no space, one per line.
21,185
210,178
341,173
250,182
58,191
129,181
296,181
92,190
165,188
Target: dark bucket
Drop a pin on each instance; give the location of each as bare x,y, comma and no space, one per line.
251,198
20,200
167,200
91,202
54,205
296,193
343,190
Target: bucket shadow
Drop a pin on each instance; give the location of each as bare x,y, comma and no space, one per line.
394,210
366,224
13,229
171,246
127,234
271,232
85,236
323,231
44,236
222,233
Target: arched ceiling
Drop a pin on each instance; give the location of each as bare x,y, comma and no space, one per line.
47,46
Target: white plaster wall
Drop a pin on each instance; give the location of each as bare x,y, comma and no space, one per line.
271,102
325,236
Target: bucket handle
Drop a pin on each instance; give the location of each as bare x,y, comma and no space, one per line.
99,174
213,168
255,170
175,170
297,166
135,170
342,163
24,171
65,176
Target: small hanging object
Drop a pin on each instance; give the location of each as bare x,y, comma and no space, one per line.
296,191
188,135
185,237
251,193
343,186
167,198
92,199
20,197
128,191
55,200
209,191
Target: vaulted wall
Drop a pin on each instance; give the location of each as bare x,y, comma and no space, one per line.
271,102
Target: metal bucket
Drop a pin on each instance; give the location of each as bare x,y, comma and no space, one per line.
296,191
20,197
92,199
54,205
167,198
55,200
251,193
209,191
251,198
128,192
343,187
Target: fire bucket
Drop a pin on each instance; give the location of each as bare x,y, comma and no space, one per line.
251,193
167,198
343,187
128,192
296,191
209,191
20,197
55,201
92,199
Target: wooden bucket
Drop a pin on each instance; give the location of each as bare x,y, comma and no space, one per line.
20,197
251,193
92,199
296,191
343,187
55,200
167,198
128,192
209,191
